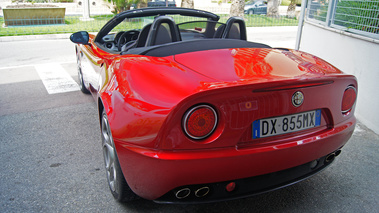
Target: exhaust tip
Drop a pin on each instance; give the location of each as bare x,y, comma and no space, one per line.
203,191
330,157
183,193
338,152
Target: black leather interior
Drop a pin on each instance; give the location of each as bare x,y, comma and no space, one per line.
163,30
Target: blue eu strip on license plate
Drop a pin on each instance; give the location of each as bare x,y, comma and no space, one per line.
286,124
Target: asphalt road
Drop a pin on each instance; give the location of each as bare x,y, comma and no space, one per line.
51,159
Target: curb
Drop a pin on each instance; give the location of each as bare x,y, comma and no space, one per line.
34,37
274,29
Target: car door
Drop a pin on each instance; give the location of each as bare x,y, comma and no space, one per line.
92,65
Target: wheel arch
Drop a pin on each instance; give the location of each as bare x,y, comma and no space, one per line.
100,107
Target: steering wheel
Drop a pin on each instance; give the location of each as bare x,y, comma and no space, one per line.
127,36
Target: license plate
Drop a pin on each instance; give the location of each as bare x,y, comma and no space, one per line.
286,124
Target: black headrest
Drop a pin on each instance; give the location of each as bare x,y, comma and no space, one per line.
235,28
163,30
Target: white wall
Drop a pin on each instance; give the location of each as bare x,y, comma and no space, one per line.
353,55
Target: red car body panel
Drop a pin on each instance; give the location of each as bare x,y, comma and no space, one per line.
146,97
145,109
152,173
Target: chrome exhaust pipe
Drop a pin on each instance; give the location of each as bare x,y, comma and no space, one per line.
338,152
330,157
201,192
183,193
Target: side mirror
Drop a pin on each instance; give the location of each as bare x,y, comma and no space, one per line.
81,37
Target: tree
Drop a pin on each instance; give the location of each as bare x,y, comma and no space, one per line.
187,3
237,7
122,5
291,9
142,4
273,8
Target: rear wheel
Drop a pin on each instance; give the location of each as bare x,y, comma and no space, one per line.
80,75
116,180
251,12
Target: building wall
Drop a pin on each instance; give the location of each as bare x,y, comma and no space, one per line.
352,54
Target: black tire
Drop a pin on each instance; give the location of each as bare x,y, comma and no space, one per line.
80,75
116,180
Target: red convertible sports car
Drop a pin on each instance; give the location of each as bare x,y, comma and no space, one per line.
191,112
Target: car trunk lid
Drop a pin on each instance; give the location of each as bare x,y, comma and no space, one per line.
254,64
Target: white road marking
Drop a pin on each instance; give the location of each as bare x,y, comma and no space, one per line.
56,79
31,65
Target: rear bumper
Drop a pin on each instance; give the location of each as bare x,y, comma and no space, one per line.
246,187
156,175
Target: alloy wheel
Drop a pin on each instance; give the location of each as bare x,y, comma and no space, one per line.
109,153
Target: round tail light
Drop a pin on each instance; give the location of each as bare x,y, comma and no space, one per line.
348,99
200,122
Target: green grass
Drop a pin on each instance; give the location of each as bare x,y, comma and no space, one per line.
285,2
74,24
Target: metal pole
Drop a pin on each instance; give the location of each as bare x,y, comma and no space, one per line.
166,3
301,23
86,11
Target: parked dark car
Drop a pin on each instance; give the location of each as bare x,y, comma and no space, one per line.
161,3
256,7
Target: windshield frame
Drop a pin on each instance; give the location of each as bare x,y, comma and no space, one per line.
152,12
